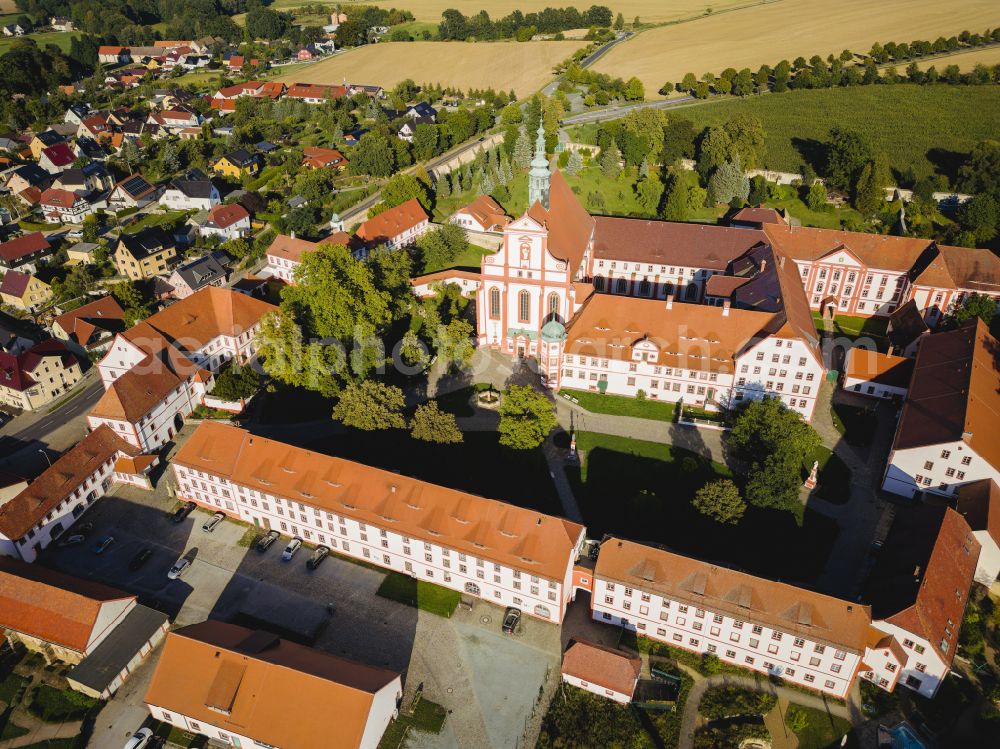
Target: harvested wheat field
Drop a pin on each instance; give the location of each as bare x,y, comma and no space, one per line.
769,33
524,67
649,11
966,61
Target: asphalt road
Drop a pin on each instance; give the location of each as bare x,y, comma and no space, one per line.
79,405
613,113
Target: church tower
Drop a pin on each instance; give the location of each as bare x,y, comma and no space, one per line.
539,176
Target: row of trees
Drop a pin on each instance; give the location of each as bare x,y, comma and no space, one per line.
455,25
845,70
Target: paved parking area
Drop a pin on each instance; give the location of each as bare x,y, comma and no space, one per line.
487,681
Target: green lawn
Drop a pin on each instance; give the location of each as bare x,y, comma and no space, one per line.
178,737
834,475
154,219
926,128
428,717
420,594
10,686
416,29
643,491
854,328
619,405
856,424
471,259
62,39
56,705
823,730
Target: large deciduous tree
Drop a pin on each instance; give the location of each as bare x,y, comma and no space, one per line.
721,501
431,424
371,405
526,417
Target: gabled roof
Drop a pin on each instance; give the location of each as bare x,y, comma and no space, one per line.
59,155
486,211
135,186
953,393
201,272
290,248
569,225
51,606
315,91
884,369
272,691
15,283
241,158
791,609
194,184
27,244
59,198
132,396
499,532
392,222
759,215
691,336
321,157
49,137
146,242
606,667
25,510
81,323
906,325
224,216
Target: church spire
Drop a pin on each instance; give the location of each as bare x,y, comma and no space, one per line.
539,176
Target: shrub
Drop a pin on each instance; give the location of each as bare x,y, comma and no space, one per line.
729,702
796,718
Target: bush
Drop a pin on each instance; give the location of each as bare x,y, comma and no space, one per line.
796,718
730,735
730,702
236,382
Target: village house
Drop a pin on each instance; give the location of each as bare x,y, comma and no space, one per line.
238,163
394,228
133,191
979,504
483,214
196,275
76,113
112,55
94,126
24,291
104,633
409,128
38,376
949,430
191,191
91,327
173,120
144,254
64,206
230,221
157,372
86,180
57,158
315,93
606,672
61,23
260,690
82,252
428,284
27,176
319,158
284,255
40,141
25,253
508,555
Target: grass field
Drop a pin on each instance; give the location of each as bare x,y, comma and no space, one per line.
59,38
928,128
524,67
649,11
768,33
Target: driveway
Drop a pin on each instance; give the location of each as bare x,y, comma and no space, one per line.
488,682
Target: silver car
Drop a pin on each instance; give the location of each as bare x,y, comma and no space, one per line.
139,739
293,546
178,569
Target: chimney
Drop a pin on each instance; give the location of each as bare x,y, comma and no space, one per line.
670,301
725,308
967,437
763,265
781,261
916,572
293,235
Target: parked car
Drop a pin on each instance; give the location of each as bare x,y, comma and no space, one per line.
321,553
83,528
265,541
140,558
178,569
293,546
213,521
182,512
75,540
510,620
139,739
103,544
75,234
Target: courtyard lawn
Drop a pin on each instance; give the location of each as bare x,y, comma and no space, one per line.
822,730
471,259
57,705
154,219
855,328
643,491
427,717
855,424
422,595
619,405
10,687
488,469
833,474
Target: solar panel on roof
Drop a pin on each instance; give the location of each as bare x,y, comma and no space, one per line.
134,184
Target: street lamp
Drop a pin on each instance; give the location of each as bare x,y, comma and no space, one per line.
47,458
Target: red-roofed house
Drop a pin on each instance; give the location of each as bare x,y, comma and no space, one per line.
64,206
284,255
878,375
57,158
111,55
979,504
37,376
24,291
23,253
91,327
319,158
482,214
226,222
603,671
394,228
315,93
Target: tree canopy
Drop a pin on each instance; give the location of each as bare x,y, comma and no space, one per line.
526,417
371,405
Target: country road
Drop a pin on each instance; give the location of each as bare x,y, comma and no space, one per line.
613,113
80,403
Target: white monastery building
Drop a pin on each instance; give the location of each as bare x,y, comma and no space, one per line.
508,555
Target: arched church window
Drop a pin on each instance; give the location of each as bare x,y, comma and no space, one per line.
621,286
553,303
495,303
523,306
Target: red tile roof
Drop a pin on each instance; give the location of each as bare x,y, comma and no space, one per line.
60,154
16,372
290,248
58,198
63,477
979,504
317,158
759,215
953,393
601,666
392,222
79,324
671,244
570,226
15,283
15,249
51,606
487,212
315,91
884,369
225,216
272,691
